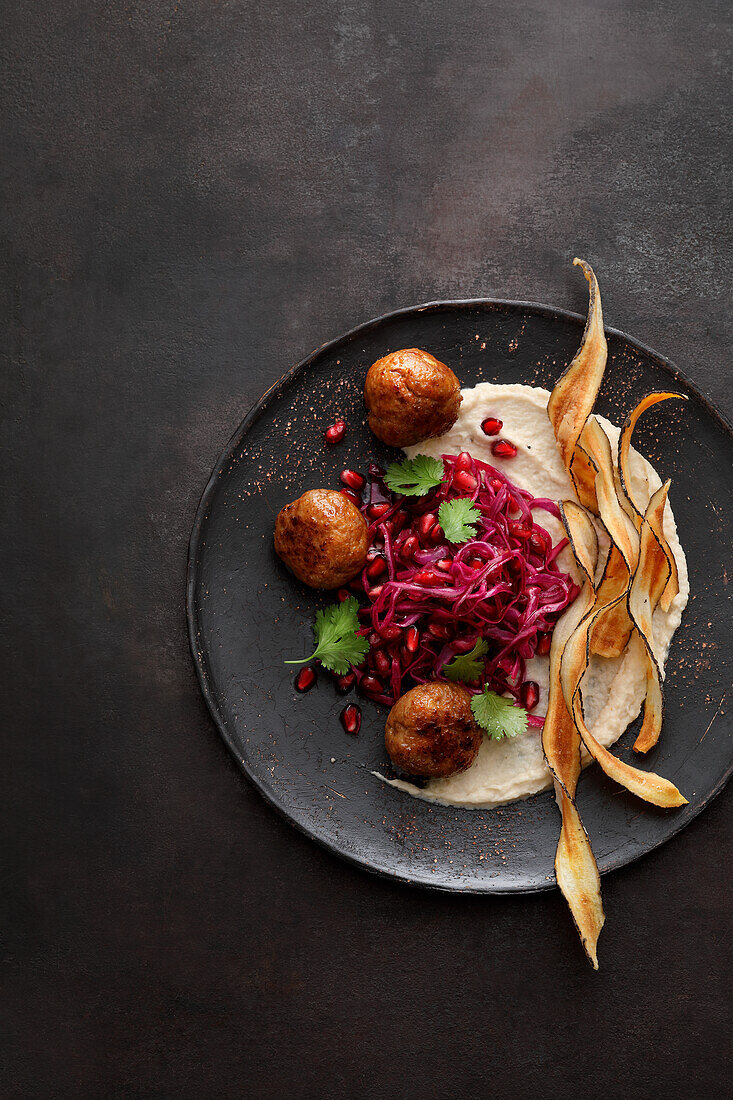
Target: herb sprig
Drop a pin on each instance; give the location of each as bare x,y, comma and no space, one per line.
414,477
468,666
498,716
338,646
458,518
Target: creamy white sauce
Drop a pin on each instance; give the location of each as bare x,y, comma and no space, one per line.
613,691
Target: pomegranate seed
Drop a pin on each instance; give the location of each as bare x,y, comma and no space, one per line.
397,521
412,639
374,639
375,592
352,496
305,679
355,584
343,594
465,481
464,460
352,480
426,523
382,663
351,718
371,685
520,531
496,484
409,546
376,568
502,448
428,577
529,694
444,565
376,511
491,426
438,630
476,563
345,683
335,433
538,543
390,633
544,641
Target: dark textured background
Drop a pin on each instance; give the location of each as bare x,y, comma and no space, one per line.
195,196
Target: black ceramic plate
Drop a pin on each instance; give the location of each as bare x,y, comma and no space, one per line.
246,613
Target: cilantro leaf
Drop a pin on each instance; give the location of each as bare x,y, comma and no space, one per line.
414,477
337,644
468,666
458,518
498,716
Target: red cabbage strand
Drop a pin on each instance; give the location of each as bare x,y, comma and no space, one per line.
435,600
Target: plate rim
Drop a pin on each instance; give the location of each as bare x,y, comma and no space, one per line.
195,538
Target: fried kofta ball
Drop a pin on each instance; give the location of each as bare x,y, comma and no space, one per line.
431,731
411,396
322,538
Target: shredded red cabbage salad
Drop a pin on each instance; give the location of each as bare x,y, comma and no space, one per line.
430,601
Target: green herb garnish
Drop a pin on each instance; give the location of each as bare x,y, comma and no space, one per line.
337,644
467,666
414,477
498,716
458,518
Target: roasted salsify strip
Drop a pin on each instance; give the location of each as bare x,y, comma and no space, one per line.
640,572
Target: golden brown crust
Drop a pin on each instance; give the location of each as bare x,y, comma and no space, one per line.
411,396
322,538
431,732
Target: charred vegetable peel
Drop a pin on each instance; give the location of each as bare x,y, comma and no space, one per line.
573,666
581,536
574,395
613,628
624,443
578,878
647,585
575,865
583,476
621,530
624,446
640,572
652,788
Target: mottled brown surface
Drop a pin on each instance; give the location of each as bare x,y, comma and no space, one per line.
322,538
411,396
195,196
430,731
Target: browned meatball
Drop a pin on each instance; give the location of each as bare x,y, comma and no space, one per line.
431,732
322,538
411,396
